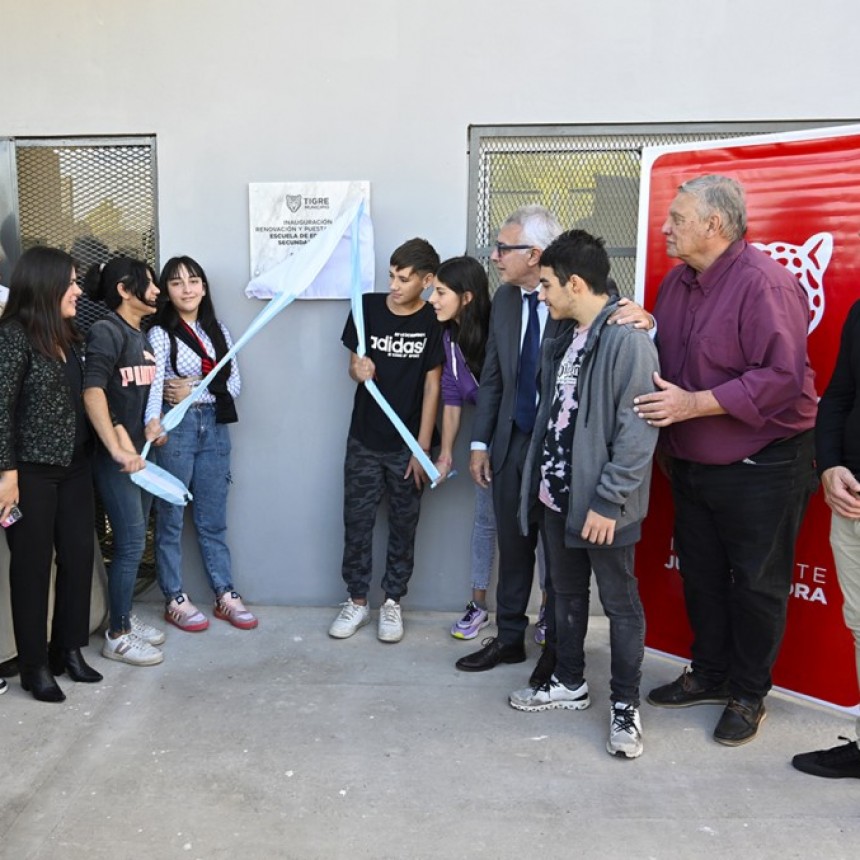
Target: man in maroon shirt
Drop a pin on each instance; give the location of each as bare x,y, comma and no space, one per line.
737,404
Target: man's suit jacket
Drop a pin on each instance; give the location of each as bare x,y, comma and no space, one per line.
497,395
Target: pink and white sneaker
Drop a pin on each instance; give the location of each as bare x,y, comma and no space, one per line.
229,607
182,613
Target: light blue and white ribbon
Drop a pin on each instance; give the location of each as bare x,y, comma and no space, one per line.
284,283
361,351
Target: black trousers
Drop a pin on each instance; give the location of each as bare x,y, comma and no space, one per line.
57,507
516,551
735,530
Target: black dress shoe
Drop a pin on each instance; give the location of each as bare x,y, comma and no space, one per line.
740,721
544,668
72,661
493,653
40,682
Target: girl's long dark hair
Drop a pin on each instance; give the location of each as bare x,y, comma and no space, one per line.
467,275
168,317
38,283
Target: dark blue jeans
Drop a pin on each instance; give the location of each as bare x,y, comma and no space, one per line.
735,530
619,594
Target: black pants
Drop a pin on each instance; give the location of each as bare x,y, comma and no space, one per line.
619,595
57,507
517,552
735,530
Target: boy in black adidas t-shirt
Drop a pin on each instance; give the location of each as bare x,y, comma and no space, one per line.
404,358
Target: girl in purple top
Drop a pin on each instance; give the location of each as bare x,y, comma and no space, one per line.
461,299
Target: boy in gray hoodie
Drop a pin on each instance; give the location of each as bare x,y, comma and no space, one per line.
589,465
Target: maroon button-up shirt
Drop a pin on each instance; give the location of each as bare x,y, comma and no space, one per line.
738,329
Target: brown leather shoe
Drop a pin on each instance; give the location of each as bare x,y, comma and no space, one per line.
689,689
740,721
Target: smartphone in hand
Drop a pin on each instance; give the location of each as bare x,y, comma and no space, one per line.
12,516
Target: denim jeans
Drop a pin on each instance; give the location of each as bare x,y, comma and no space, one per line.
198,453
483,539
484,542
127,507
619,593
735,530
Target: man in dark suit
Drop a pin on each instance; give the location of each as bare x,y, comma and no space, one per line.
502,427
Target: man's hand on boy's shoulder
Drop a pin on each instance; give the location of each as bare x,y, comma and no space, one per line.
361,369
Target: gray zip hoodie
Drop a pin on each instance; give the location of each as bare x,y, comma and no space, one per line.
612,447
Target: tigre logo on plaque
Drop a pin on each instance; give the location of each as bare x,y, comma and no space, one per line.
285,216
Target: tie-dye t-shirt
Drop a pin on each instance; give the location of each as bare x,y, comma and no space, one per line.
558,442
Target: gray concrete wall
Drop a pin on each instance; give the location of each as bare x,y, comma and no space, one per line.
276,90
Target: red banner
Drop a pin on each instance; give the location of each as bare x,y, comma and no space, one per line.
803,205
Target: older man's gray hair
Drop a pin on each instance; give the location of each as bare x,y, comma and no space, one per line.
715,193
538,225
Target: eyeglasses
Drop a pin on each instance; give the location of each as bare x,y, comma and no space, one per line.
502,248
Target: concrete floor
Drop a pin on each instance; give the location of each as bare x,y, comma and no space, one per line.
283,743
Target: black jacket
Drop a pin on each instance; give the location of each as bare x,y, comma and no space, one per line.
37,413
837,427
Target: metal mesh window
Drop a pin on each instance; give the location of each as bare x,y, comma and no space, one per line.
587,175
95,198
89,197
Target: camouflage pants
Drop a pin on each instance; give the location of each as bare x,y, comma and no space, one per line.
367,476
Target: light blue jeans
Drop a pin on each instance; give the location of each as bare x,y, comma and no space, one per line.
127,507
483,539
198,453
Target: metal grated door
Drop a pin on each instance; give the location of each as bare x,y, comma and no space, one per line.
95,199
587,175
91,197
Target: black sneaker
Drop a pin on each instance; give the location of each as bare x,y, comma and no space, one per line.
689,690
835,763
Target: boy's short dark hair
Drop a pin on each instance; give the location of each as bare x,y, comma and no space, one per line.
417,253
577,252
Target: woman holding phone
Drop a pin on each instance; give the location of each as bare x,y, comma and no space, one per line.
46,494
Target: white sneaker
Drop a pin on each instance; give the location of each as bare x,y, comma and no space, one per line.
130,648
390,622
625,731
351,617
3,685
551,695
147,632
